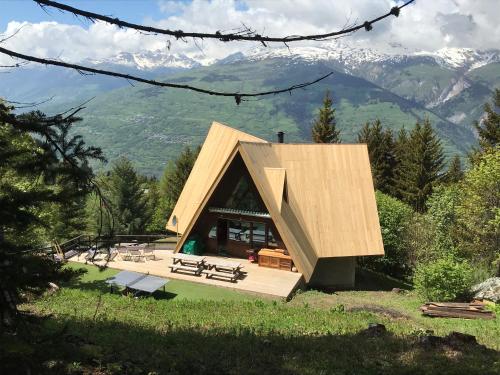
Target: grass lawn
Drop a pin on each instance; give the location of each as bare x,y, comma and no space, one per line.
175,289
85,329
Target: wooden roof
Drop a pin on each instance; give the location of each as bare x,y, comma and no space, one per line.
320,196
219,145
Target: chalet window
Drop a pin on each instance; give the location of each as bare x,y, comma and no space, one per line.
213,232
239,231
259,234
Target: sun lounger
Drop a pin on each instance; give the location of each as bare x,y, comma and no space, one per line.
70,254
148,253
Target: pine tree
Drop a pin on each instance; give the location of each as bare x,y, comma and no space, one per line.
454,172
171,184
489,129
177,174
381,152
128,198
40,166
421,157
324,128
401,151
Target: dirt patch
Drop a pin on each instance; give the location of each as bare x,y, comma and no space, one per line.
391,313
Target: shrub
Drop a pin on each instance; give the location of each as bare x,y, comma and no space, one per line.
446,279
395,217
419,240
478,213
442,213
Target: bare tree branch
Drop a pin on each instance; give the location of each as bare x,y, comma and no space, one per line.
245,34
19,105
86,70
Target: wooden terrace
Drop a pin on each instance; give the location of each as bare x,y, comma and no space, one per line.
260,280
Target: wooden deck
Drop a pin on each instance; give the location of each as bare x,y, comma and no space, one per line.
257,279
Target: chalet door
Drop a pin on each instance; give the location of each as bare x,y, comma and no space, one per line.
221,234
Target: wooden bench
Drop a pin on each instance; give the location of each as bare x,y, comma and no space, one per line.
176,267
225,275
223,269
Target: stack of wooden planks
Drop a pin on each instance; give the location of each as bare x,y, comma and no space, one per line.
473,310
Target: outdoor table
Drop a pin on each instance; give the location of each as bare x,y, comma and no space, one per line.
187,259
224,265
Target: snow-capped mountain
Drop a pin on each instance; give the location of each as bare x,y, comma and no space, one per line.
150,60
458,58
354,57
349,57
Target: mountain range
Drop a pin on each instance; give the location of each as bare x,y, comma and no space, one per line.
150,125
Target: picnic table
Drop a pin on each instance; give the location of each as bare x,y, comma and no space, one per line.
224,265
223,269
187,262
188,259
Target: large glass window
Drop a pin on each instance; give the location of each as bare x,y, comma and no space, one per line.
239,231
259,234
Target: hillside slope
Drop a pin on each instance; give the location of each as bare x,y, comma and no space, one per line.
150,125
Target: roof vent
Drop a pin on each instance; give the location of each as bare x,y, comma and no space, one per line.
281,137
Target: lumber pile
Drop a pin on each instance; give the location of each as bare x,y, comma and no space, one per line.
473,310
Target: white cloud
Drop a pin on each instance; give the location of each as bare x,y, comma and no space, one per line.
425,25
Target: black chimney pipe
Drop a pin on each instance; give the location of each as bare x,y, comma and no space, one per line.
281,137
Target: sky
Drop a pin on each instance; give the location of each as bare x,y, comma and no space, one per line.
427,25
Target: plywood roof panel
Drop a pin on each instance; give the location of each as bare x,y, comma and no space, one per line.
276,180
218,146
330,191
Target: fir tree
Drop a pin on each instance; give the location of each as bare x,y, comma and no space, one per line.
171,184
488,129
401,150
177,174
128,198
324,128
40,166
381,152
421,157
454,172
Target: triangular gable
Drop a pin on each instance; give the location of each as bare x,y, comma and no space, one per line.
214,155
276,180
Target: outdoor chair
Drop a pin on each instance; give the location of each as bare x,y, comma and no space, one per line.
148,253
136,254
90,255
123,253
